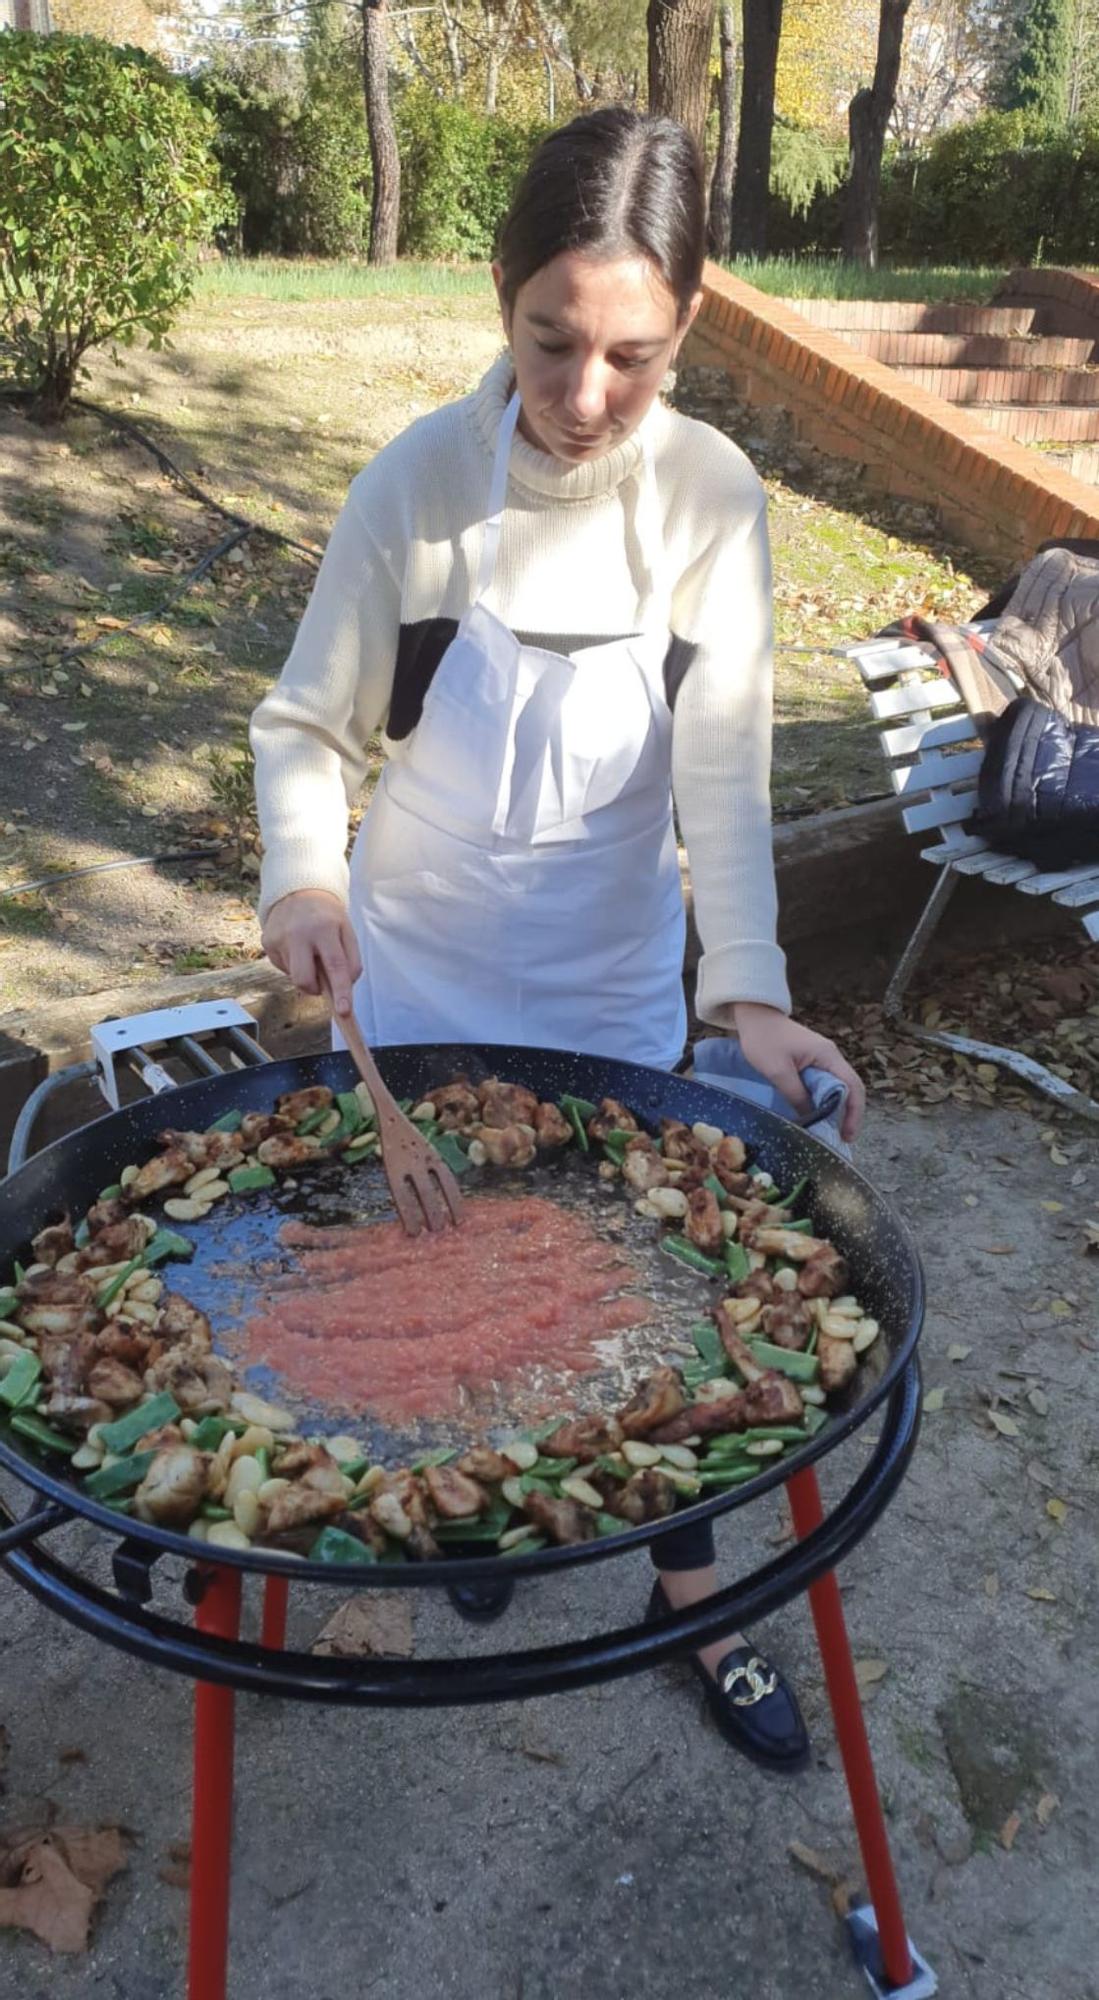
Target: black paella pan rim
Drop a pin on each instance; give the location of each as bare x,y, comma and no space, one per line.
884,1262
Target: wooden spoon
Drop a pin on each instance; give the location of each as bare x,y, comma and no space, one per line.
423,1188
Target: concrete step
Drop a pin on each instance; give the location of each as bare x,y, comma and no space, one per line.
1042,425
1081,461
905,316
973,350
974,386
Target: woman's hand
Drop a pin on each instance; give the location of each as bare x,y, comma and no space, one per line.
308,935
780,1049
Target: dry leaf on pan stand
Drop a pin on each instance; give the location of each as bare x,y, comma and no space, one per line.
364,1628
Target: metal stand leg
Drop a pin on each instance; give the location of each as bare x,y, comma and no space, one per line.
218,1611
276,1591
882,1945
917,944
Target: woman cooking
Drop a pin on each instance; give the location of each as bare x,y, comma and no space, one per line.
554,597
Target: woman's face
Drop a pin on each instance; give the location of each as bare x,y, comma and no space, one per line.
591,340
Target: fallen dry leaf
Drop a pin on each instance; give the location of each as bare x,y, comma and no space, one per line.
1009,1830
992,1584
368,1626
1091,1235
1052,1207
1057,1510
1006,1426
1046,1807
957,1351
1060,1308
934,1400
1039,1401
869,1673
1041,1474
54,1881
997,1249
814,1863
1042,1596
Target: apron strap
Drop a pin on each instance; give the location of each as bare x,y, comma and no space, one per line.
497,493
656,613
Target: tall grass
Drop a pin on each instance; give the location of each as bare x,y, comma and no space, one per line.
298,279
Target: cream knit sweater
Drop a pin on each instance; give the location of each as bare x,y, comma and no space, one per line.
398,573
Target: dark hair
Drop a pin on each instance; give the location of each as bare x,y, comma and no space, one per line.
614,182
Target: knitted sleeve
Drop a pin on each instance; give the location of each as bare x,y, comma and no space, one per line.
310,733
721,767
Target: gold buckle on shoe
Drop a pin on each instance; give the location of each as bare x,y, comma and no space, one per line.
761,1681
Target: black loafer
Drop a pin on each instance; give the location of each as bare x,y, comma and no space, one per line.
755,1709
480,1603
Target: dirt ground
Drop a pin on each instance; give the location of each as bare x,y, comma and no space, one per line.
608,1842
111,739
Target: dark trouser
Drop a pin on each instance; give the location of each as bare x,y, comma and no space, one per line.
685,1548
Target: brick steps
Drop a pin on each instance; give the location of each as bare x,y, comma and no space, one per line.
901,316
975,350
1029,387
1079,424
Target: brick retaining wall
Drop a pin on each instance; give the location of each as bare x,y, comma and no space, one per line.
996,495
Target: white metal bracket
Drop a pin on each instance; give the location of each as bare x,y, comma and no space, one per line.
862,1928
148,1033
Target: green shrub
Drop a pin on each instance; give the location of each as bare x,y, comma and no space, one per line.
458,170
256,107
1005,189
108,187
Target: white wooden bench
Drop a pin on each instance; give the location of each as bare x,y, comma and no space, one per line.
934,758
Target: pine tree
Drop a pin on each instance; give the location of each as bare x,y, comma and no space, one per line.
1036,74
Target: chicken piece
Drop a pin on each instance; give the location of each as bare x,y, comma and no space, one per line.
729,1155
131,1345
367,1531
54,1242
755,1214
103,1213
611,1117
298,1104
222,1150
707,1418
680,1144
551,1129
736,1347
180,1324
702,1225
117,1243
160,1438
166,1170
256,1126
76,1413
456,1106
838,1362
454,1494
66,1360
585,1438
642,1165
757,1285
655,1401
773,1399
174,1487
562,1520
56,1302
788,1322
489,1466
506,1145
646,1496
825,1274
507,1104
420,1545
192,1145
410,1494
299,1458
285,1149
300,1505
200,1383
113,1383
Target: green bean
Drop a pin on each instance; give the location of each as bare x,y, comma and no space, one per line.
230,1121
737,1266
248,1180
41,1434
799,1367
109,1481
20,1384
9,1303
112,1290
123,1434
335,1545
686,1253
167,1243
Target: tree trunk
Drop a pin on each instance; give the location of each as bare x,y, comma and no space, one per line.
680,36
384,158
492,82
868,115
721,186
761,27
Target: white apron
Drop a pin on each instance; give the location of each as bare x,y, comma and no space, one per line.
515,878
